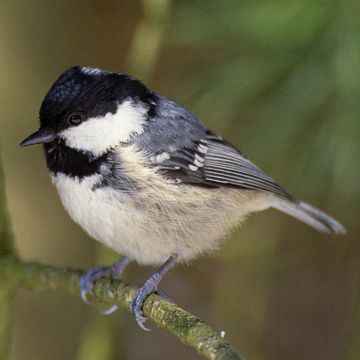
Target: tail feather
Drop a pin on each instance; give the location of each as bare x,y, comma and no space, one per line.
311,216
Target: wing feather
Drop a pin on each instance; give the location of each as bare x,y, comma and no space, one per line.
213,162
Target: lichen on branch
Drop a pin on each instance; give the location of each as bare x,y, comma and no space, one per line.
188,328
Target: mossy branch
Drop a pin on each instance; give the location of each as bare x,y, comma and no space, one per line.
188,328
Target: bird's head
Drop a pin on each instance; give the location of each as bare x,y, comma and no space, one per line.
92,110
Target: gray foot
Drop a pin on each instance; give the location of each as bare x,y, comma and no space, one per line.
88,279
150,286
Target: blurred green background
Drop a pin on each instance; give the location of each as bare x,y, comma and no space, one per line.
279,79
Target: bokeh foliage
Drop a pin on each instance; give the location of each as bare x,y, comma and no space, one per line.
280,80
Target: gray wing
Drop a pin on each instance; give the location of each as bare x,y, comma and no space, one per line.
214,162
211,161
185,151
180,146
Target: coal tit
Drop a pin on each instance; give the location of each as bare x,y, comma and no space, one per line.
141,174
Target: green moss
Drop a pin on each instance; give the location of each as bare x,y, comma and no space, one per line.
188,328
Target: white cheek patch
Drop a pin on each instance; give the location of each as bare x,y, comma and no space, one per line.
97,135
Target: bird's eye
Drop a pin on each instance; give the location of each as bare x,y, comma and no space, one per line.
75,119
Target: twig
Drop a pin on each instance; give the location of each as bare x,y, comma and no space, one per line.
188,328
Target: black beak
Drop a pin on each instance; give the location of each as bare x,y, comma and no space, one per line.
38,137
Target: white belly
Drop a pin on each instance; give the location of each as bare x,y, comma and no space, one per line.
148,227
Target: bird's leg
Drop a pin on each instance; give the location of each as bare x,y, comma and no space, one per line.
150,286
87,280
164,295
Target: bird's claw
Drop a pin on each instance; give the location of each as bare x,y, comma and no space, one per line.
136,305
84,294
150,286
110,310
88,279
141,320
87,283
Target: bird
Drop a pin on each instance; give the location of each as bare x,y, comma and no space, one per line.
145,177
